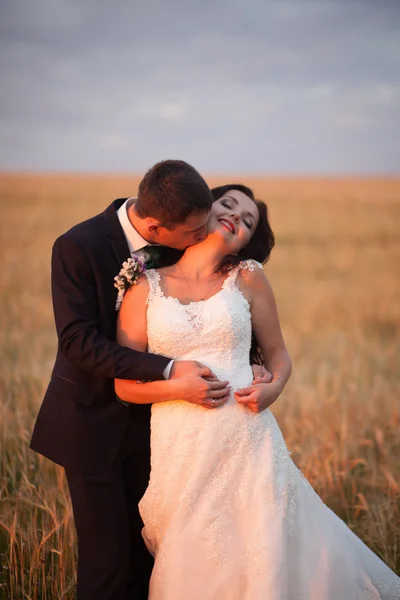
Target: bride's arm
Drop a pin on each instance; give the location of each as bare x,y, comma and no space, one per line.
265,322
132,333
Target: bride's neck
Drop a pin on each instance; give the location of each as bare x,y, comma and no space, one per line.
201,260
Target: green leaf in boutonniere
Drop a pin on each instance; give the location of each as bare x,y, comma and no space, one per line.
151,255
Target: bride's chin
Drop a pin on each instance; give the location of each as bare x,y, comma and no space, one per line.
217,235
222,242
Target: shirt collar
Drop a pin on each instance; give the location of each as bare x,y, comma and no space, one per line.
135,241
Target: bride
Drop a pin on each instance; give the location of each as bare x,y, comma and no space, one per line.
227,514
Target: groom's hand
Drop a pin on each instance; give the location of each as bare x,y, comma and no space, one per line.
183,368
199,385
260,374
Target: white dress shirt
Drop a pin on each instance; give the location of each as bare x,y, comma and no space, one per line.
135,241
137,245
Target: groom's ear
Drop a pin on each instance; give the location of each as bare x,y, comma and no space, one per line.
153,226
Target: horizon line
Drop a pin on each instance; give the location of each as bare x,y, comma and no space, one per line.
252,174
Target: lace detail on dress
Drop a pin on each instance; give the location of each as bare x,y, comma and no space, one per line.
193,312
378,590
251,265
153,278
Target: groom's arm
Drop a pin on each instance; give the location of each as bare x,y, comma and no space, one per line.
76,315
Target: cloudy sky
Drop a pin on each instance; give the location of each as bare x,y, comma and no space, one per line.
264,86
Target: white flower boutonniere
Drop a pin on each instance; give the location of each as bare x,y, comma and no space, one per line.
128,276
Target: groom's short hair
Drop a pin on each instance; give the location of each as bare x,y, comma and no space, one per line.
171,191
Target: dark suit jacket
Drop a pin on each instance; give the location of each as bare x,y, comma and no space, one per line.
81,423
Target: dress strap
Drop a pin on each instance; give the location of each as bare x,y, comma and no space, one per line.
153,278
250,265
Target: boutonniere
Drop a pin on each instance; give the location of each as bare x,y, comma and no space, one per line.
128,276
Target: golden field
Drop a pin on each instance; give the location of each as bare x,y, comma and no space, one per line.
335,271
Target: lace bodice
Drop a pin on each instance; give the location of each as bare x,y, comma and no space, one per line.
216,331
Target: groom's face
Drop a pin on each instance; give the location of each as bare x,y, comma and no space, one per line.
190,232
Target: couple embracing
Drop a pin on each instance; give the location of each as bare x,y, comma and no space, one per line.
182,377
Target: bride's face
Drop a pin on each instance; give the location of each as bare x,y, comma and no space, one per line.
234,217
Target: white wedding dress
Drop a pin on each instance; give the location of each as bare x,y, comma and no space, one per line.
227,514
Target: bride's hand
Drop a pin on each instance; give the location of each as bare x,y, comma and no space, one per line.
260,396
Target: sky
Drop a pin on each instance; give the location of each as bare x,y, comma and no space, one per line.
249,86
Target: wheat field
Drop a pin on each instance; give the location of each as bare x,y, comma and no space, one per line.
335,272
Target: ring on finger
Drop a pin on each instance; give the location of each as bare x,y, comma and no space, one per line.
213,403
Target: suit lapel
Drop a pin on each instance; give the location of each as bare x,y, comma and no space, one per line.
115,233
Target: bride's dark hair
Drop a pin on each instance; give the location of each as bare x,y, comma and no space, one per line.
259,247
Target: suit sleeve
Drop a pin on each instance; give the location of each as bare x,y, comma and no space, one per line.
75,307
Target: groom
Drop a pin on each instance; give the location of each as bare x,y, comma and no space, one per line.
104,445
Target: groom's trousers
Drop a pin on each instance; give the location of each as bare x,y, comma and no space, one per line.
113,562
